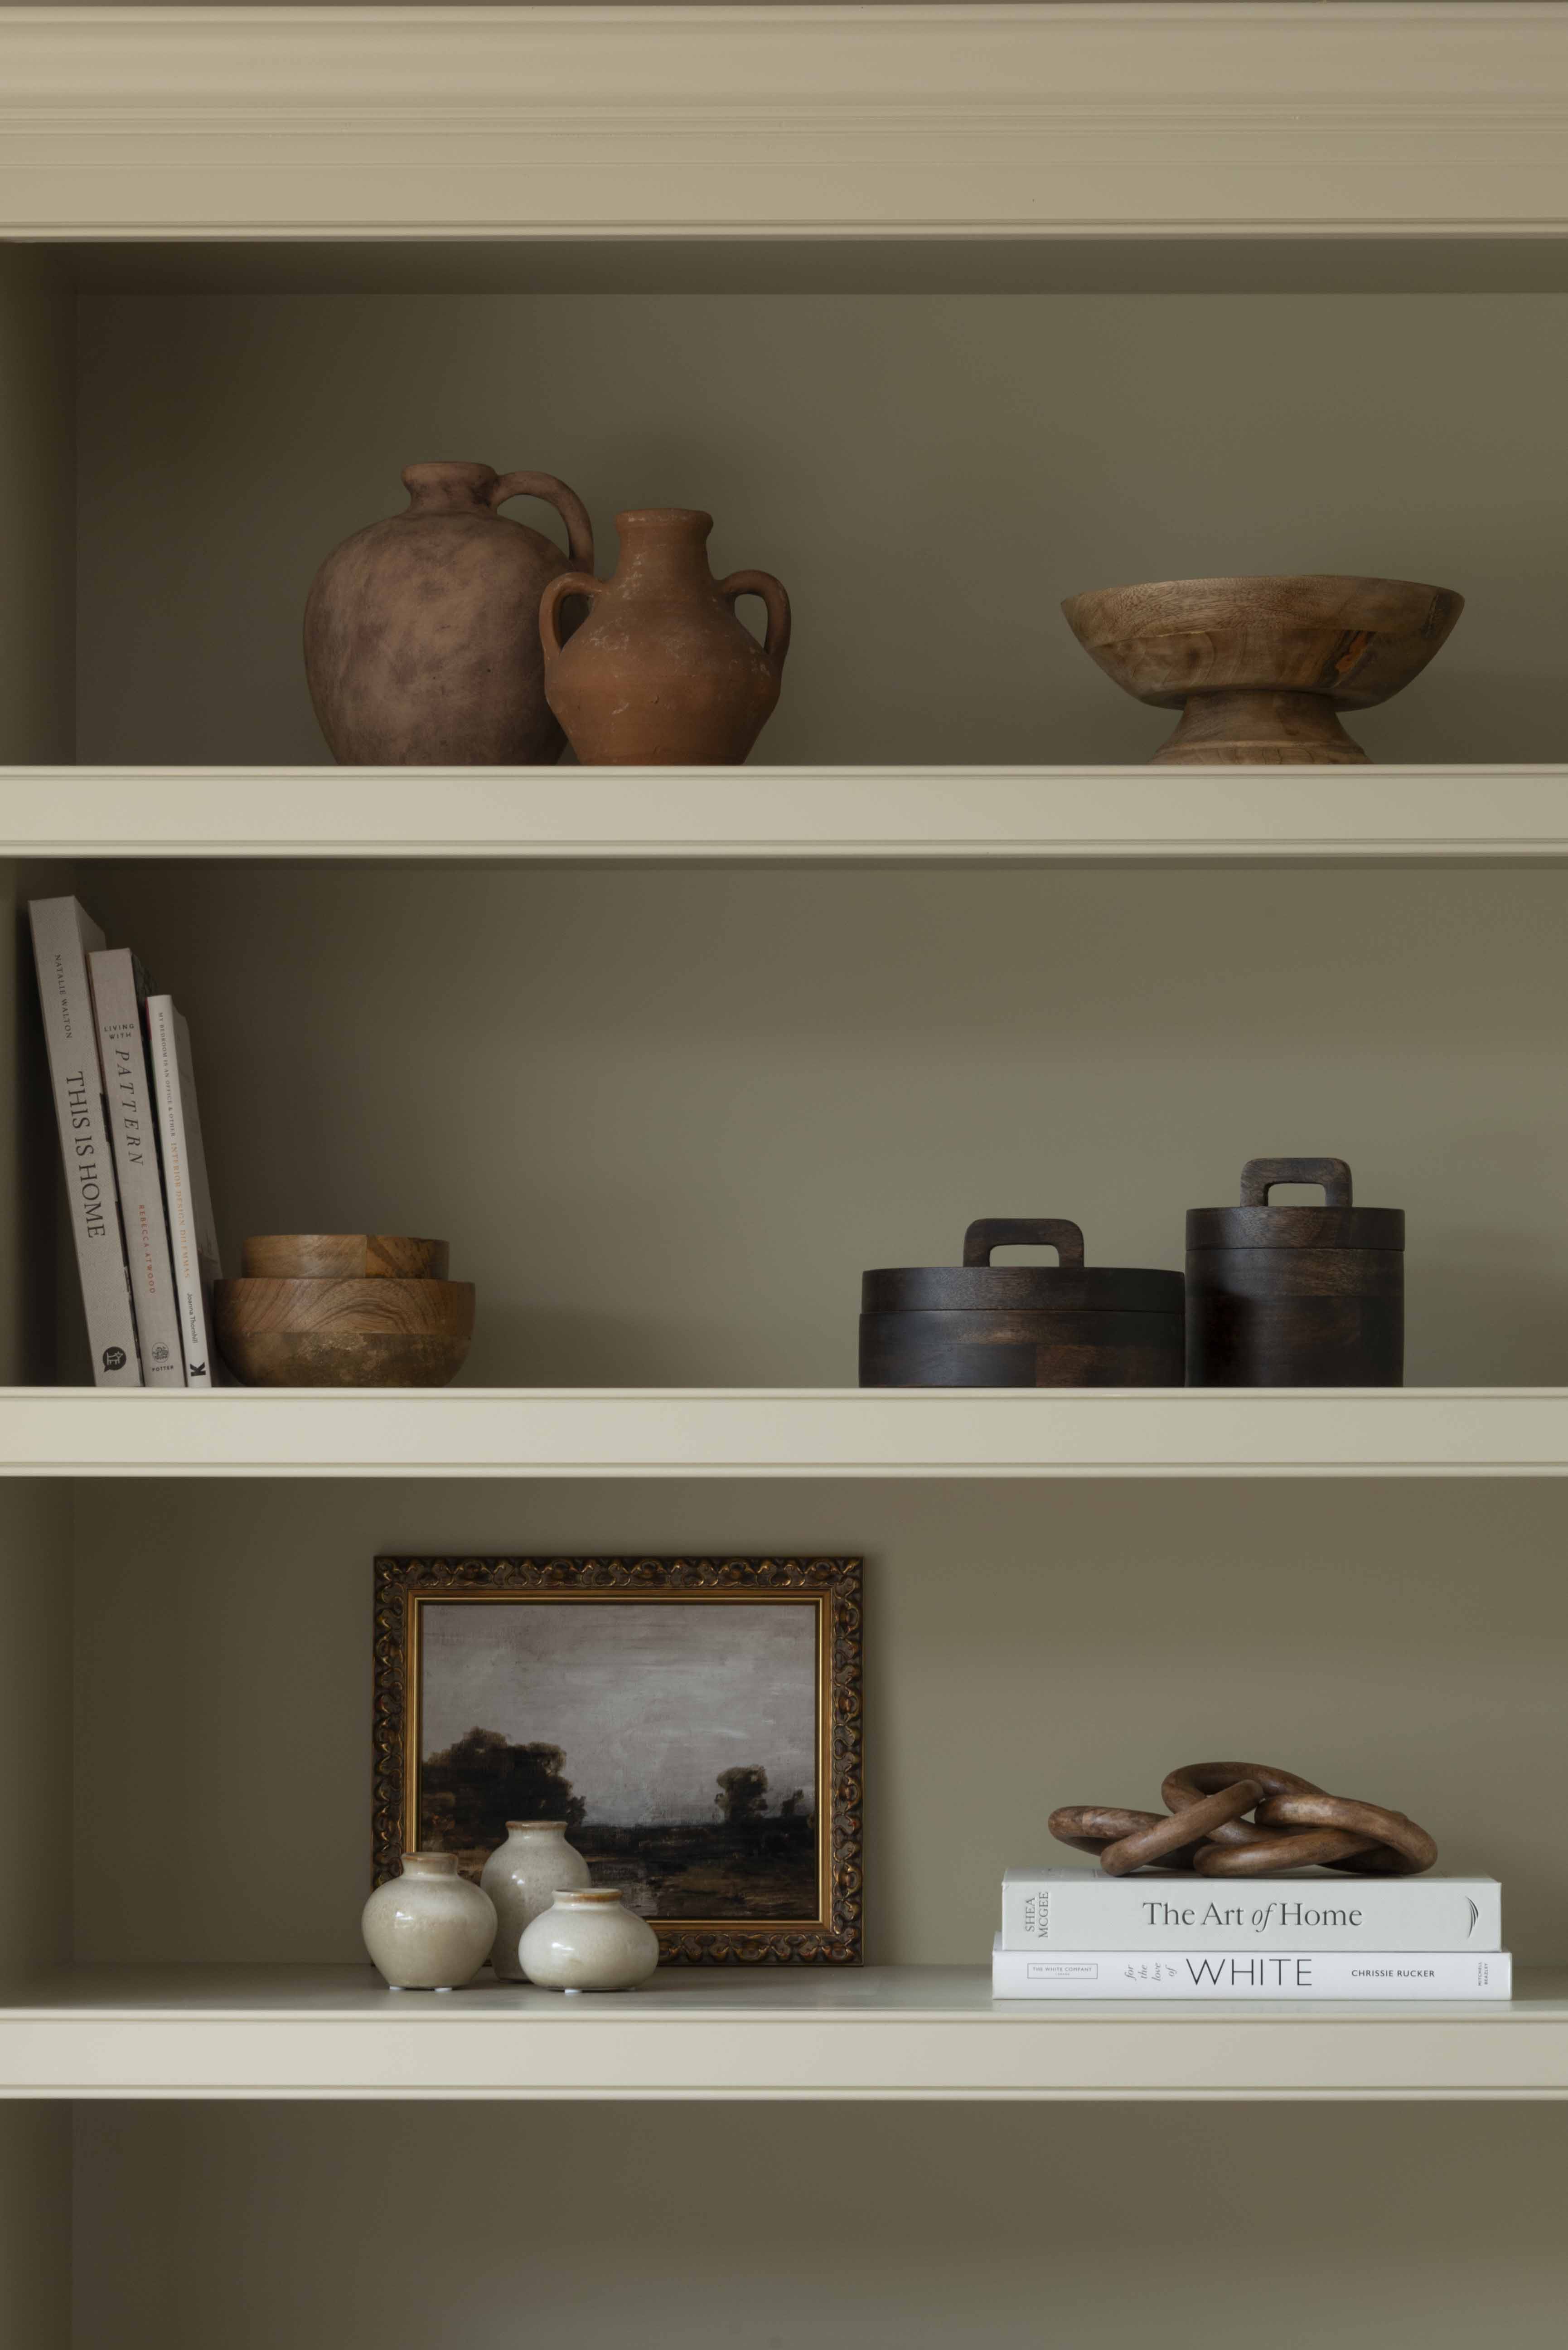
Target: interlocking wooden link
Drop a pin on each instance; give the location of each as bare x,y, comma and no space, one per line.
1293,1826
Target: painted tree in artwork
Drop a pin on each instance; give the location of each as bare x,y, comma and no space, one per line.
472,1787
742,1793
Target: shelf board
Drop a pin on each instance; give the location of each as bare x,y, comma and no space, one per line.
871,2033
1181,119
794,816
786,1432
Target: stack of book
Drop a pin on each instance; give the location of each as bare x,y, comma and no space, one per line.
1072,1934
136,1175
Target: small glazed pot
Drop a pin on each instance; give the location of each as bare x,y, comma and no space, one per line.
587,1940
428,1930
522,1878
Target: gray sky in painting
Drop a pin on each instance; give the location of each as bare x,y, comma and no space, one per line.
648,1702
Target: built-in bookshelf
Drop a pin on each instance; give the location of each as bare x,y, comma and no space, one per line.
947,312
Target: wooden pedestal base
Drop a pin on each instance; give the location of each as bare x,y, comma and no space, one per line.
1249,728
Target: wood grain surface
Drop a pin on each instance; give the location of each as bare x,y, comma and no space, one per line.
1257,667
1294,1824
317,1256
1296,1296
1020,1325
377,1330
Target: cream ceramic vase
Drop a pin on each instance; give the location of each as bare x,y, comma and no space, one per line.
586,1941
522,1876
428,1930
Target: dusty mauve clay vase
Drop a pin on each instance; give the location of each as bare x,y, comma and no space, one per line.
523,1876
661,673
421,633
428,1930
586,1941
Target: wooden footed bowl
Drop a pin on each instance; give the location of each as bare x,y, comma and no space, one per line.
1261,667
379,1330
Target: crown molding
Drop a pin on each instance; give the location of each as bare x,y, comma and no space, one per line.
1165,118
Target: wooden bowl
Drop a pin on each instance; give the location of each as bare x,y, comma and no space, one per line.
1257,666
358,1331
319,1257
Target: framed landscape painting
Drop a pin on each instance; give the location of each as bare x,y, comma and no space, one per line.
695,1723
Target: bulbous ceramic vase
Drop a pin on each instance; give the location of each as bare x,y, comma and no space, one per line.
523,1876
428,1930
661,673
586,1941
421,632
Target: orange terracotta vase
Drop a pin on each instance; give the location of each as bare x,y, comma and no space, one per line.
661,673
421,632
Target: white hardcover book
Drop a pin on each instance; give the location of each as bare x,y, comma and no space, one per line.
119,994
191,1237
1311,1910
1251,1974
63,938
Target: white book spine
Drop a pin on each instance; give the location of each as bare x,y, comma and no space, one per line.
1326,1909
119,993
192,1243
1251,1974
63,937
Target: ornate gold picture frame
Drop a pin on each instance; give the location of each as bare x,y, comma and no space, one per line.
695,1722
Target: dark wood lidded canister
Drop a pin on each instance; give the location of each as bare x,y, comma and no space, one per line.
1295,1298
979,1324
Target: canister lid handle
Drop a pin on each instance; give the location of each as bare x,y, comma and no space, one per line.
1011,1232
1260,1175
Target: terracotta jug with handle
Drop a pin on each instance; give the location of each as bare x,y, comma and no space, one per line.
661,672
421,632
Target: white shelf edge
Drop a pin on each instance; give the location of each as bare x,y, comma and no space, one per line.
1407,118
825,815
876,2033
818,1432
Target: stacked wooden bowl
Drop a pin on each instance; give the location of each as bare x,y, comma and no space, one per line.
344,1310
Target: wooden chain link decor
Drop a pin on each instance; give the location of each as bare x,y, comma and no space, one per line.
1294,1825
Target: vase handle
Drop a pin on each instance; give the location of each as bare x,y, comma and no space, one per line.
566,502
564,584
775,644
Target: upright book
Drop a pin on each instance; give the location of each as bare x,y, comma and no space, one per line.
1251,1974
63,938
119,998
1311,1910
191,1237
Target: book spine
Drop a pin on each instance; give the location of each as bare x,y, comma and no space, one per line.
192,1244
118,995
1138,1913
1253,1974
62,940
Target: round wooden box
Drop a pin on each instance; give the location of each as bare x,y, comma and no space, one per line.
1027,1326
1295,1298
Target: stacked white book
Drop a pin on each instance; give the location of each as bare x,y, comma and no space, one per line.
1320,1933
